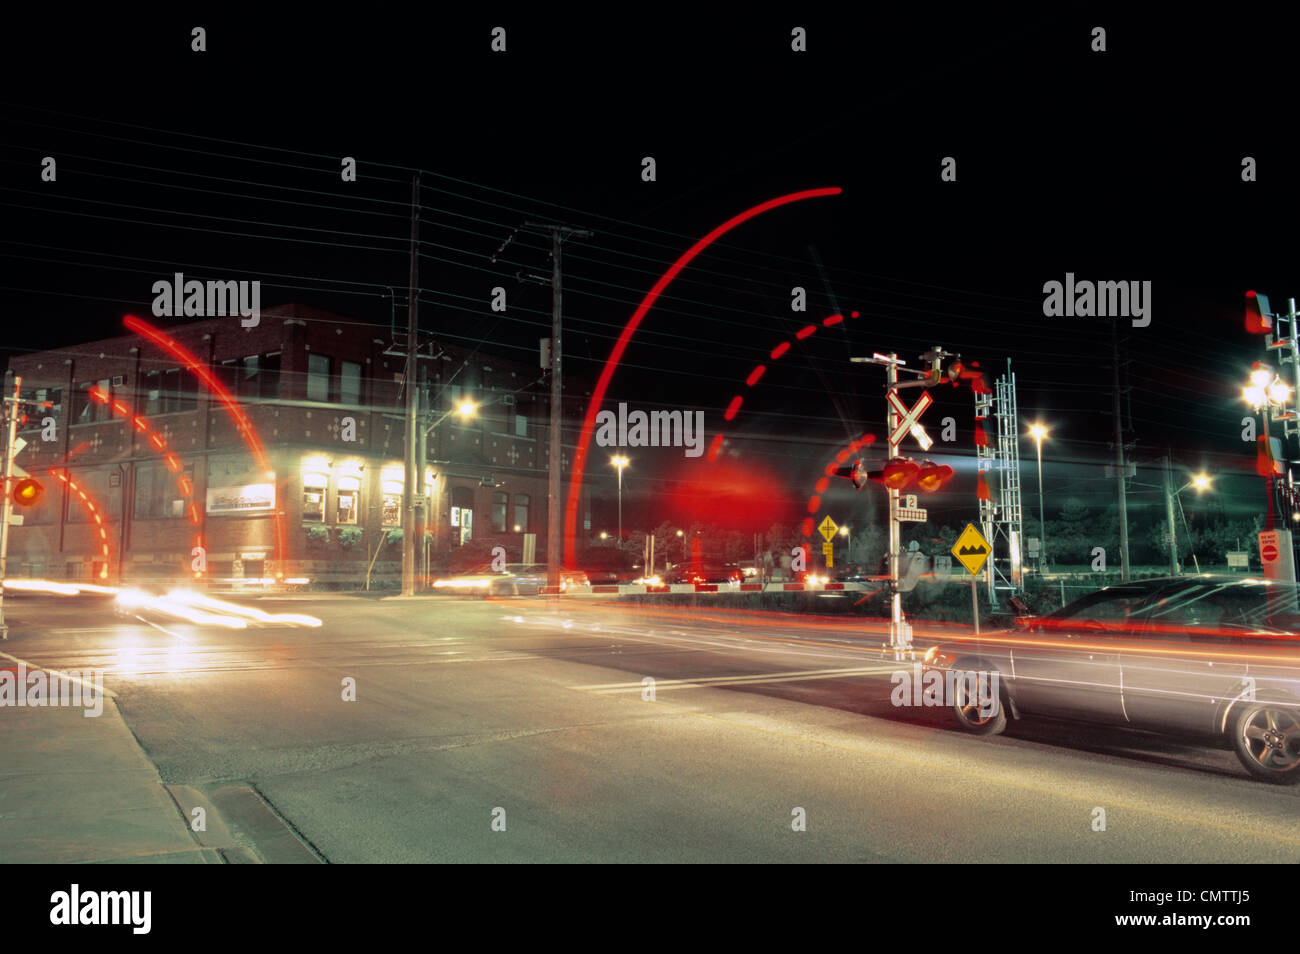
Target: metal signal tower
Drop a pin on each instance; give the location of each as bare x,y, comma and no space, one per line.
1001,516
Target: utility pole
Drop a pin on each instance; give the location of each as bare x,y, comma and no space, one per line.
412,399
1119,463
555,485
11,407
421,456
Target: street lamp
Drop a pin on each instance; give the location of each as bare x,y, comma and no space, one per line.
620,462
848,543
1038,432
1200,483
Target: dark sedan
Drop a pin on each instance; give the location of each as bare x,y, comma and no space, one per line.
1218,658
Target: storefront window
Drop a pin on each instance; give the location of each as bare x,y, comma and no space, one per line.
313,497
349,493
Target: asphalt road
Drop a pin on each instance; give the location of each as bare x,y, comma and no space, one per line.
470,716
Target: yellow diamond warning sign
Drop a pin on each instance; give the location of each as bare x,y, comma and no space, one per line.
971,549
828,528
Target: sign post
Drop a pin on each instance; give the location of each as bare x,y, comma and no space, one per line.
828,529
972,551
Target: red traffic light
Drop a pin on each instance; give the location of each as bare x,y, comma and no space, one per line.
27,492
898,473
933,476
1258,319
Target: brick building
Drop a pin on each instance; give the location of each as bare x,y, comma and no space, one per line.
152,464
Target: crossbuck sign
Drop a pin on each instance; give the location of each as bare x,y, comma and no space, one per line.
909,420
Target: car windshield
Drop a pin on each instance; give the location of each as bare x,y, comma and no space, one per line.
1115,604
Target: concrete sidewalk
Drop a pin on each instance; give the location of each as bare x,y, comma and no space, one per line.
76,789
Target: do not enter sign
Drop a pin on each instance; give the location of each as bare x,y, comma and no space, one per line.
1269,551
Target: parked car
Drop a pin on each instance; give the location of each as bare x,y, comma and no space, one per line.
1217,658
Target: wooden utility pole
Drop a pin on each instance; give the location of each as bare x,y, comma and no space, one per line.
412,392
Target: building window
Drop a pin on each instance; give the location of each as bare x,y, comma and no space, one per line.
521,425
349,382
462,515
521,513
391,483
39,396
314,487
146,476
87,411
269,384
100,491
500,504
318,377
83,411
349,494
157,491
256,376
170,391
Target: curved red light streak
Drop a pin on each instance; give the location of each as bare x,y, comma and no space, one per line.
616,355
233,408
92,508
759,370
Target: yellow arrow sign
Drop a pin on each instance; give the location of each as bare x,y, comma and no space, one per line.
827,527
971,549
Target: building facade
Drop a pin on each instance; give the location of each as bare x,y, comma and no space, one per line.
149,474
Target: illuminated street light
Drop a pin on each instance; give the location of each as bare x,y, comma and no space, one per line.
1200,483
1038,432
467,409
620,462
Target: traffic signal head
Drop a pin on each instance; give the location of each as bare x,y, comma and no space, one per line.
1258,319
27,492
933,476
1268,456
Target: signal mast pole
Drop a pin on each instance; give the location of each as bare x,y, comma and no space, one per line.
12,407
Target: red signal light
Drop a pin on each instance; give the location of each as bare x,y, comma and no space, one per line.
1258,319
27,492
1268,457
933,476
898,473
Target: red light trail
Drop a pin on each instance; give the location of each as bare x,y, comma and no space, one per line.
616,355
233,408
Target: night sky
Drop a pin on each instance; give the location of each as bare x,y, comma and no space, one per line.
1123,165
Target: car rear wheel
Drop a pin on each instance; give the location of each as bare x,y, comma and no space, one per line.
987,717
1266,737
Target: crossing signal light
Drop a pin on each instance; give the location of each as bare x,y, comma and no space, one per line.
898,473
27,492
933,476
857,473
1268,457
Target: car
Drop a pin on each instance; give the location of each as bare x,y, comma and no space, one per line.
1216,658
514,579
724,573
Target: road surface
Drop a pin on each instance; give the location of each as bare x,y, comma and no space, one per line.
473,716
